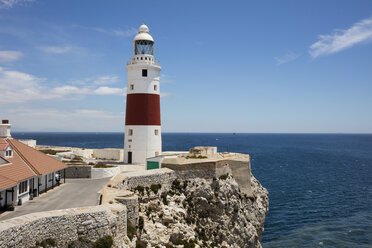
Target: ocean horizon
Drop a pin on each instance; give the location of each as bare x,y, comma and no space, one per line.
320,187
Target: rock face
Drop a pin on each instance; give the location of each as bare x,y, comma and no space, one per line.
201,213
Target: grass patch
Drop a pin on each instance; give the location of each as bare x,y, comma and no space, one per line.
51,152
102,165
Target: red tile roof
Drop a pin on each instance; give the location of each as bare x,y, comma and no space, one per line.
6,182
14,172
41,163
3,145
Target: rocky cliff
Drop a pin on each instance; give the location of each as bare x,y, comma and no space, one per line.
200,213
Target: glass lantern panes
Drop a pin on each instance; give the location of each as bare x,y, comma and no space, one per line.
144,47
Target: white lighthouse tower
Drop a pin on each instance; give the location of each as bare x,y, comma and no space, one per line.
142,118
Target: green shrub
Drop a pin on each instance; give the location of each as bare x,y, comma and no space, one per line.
47,243
141,223
105,242
155,188
140,244
140,189
131,230
176,185
223,177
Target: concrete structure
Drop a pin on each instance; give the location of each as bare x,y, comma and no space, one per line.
142,121
24,171
206,162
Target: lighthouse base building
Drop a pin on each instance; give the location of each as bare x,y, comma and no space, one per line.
142,119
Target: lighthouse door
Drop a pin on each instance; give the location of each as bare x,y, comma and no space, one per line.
129,157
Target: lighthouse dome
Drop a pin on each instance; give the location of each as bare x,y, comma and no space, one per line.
143,34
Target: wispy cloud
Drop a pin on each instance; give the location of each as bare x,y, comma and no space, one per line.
166,94
109,79
165,78
124,32
56,49
52,119
342,39
19,87
286,58
120,32
9,56
7,4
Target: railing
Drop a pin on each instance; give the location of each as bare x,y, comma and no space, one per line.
143,59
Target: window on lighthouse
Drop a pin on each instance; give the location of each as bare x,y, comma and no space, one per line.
155,87
156,132
132,86
144,73
130,132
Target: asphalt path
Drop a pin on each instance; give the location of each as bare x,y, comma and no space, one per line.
74,193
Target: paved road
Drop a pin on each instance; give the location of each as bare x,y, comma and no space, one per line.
74,193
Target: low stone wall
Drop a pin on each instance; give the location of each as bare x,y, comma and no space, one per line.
163,176
131,202
104,172
206,170
65,226
78,172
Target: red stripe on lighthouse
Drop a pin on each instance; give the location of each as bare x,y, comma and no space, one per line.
143,109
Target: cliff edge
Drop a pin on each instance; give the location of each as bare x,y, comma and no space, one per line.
200,213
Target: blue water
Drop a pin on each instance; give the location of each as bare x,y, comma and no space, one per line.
320,185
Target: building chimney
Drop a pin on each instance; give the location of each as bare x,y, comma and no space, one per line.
5,129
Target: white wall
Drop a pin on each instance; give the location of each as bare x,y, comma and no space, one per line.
109,154
143,143
2,202
29,142
85,153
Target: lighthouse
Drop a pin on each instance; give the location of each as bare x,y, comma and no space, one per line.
142,117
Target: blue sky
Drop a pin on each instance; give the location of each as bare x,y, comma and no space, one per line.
228,66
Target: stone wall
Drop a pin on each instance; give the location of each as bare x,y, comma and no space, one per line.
65,226
84,171
131,202
163,176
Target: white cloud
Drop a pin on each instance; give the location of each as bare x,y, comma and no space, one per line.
107,80
9,56
7,4
129,32
18,87
342,39
45,119
165,94
125,32
109,91
286,58
56,49
165,78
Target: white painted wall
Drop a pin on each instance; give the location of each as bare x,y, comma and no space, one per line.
29,142
5,130
143,143
109,154
85,153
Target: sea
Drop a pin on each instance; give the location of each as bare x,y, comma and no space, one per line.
320,185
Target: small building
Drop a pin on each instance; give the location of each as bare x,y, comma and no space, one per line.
206,162
24,171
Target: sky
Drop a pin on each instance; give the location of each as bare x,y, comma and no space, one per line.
227,66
